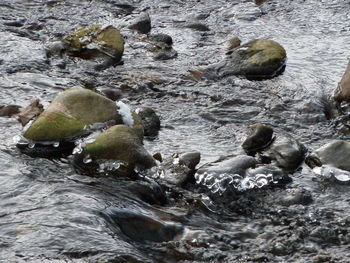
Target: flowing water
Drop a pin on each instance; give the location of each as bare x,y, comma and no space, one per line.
48,213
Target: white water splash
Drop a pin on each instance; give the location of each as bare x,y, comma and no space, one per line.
125,112
220,183
332,173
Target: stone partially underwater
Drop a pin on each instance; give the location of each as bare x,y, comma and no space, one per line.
116,151
104,44
255,60
276,158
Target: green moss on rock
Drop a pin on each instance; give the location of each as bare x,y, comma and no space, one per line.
53,126
121,143
69,113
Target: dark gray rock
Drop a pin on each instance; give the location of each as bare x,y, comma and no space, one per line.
259,137
286,152
140,227
150,121
141,24
190,159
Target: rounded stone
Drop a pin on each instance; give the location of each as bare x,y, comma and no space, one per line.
259,137
69,113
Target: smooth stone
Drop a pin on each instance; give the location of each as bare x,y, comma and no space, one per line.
148,191
335,153
161,38
286,152
165,54
259,137
141,24
190,159
296,196
234,165
122,144
197,26
69,113
140,227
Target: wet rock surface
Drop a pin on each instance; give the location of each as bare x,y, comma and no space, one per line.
51,213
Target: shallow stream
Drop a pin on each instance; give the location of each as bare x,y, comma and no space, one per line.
48,213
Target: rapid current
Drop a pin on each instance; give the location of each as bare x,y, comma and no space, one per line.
49,213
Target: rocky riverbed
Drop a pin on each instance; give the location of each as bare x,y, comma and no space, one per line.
246,165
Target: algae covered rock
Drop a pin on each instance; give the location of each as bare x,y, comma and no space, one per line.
122,144
95,40
257,59
69,113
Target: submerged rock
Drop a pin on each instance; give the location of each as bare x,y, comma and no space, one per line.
335,153
286,152
69,114
96,40
142,24
150,121
257,59
259,137
122,144
190,159
9,110
140,227
179,168
235,165
161,38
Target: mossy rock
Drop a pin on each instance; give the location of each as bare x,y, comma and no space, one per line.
121,143
69,113
94,40
256,59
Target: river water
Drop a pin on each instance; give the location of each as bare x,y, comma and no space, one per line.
48,213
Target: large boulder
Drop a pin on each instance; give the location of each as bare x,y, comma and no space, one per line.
69,114
257,59
335,153
120,143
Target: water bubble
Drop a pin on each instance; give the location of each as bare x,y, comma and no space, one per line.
31,145
87,159
56,144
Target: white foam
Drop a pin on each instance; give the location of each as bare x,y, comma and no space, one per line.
125,112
